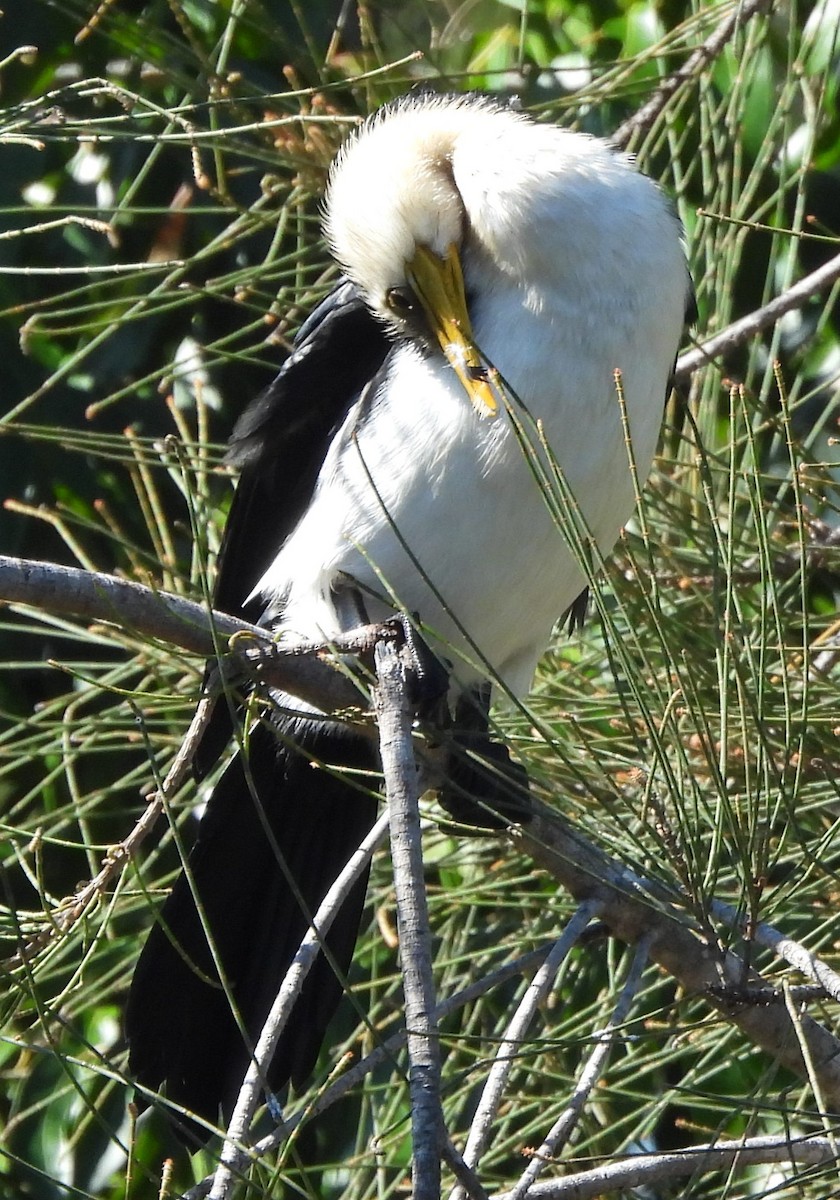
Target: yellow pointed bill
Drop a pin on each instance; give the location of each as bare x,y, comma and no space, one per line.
439,286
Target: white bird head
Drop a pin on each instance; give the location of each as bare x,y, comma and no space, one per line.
436,199
397,223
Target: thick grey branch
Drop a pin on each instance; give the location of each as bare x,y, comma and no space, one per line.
394,715
634,908
302,670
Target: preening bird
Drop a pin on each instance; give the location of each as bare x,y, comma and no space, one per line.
381,473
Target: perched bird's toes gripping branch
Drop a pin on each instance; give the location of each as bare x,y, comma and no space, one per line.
477,246
428,678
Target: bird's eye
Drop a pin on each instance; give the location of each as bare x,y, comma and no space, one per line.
401,302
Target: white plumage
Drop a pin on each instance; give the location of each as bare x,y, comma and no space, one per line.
573,268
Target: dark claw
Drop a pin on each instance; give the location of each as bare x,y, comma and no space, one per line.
483,786
478,374
429,677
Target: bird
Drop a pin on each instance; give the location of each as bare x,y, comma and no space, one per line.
490,263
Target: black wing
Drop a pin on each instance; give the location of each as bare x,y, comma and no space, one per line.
281,439
280,443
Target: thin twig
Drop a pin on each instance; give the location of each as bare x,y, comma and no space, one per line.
385,1051
561,1130
648,1170
796,1013
468,1181
480,987
394,716
773,939
70,911
746,327
697,61
235,1153
506,1054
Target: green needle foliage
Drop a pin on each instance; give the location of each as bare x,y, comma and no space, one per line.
163,163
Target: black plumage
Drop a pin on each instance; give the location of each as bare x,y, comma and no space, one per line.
279,444
286,817
289,819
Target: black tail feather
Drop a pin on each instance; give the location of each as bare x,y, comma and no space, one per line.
183,1035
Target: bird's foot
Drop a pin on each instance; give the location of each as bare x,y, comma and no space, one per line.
484,787
428,676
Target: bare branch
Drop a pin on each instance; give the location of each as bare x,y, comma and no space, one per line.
642,1170
74,908
634,907
590,1073
395,715
792,952
469,1182
302,670
386,1050
742,330
697,61
97,597
516,1032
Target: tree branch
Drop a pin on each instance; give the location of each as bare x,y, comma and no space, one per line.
742,330
589,1075
647,1170
634,907
74,907
385,1051
786,948
395,715
515,1034
706,53
304,670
